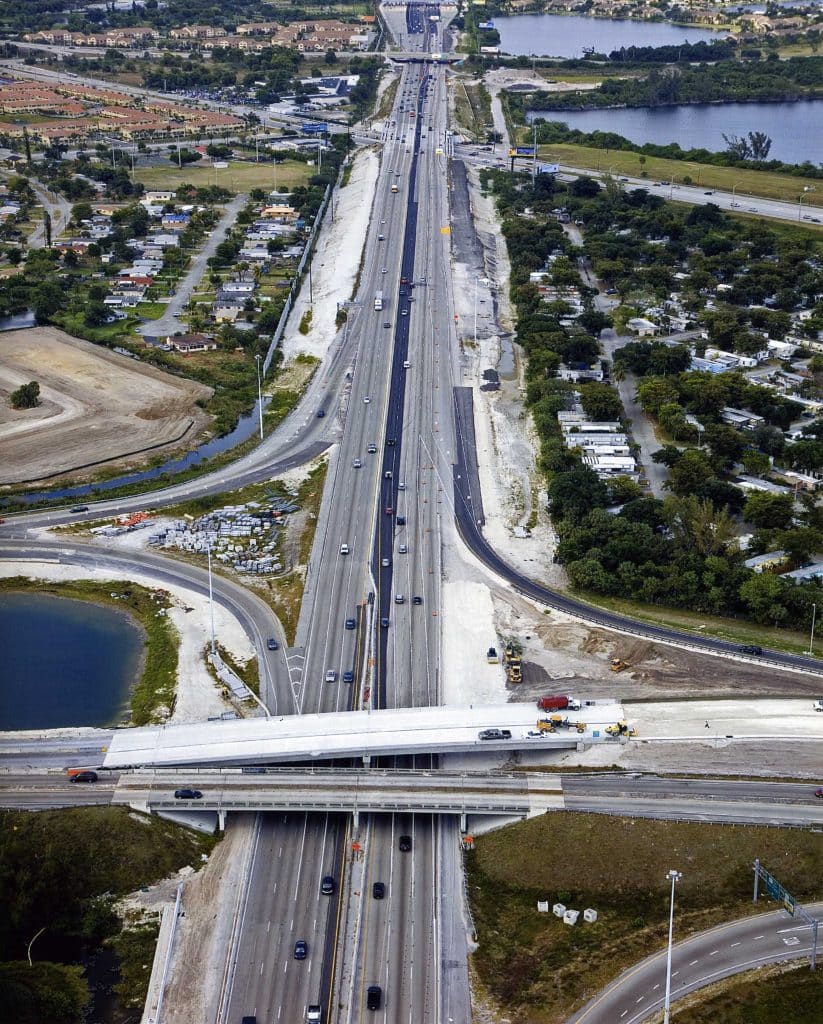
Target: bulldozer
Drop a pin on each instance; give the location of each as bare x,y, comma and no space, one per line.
620,729
618,665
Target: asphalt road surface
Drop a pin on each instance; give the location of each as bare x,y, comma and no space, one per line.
701,960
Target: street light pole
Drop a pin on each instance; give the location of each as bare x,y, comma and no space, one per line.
734,189
211,599
675,876
807,188
811,635
475,312
259,395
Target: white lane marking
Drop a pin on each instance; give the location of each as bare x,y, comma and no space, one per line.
714,952
675,973
693,962
734,944
656,986
758,937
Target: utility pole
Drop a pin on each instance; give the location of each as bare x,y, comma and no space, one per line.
675,876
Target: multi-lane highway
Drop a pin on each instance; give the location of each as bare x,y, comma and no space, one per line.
376,550
376,561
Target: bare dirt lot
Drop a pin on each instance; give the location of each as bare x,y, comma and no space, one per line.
97,407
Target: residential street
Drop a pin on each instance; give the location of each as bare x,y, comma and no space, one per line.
169,322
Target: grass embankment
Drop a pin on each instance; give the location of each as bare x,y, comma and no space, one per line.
734,630
66,868
239,176
541,969
772,995
767,184
285,593
155,688
472,104
384,107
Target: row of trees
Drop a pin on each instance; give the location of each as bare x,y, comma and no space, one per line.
726,81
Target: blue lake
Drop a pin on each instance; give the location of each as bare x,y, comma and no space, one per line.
794,128
558,35
65,662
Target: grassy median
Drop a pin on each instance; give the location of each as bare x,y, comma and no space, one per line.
767,184
539,969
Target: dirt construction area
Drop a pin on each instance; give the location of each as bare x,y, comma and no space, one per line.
96,407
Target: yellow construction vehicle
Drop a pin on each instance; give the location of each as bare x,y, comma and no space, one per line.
620,729
514,673
544,725
618,665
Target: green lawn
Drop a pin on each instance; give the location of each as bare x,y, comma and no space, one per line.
757,183
735,630
150,310
540,970
239,176
767,996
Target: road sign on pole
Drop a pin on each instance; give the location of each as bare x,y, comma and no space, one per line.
790,905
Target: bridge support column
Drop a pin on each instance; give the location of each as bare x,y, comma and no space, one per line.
221,820
464,825
356,820
367,760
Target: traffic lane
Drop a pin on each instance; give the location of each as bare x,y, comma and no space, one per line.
701,960
40,792
706,789
699,809
285,903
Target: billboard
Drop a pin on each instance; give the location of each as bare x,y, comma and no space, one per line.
486,24
548,168
314,128
522,151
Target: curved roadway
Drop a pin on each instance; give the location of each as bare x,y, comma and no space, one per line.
698,961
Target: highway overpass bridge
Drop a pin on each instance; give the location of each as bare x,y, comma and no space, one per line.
356,734
349,791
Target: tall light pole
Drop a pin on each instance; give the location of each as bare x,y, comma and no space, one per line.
259,395
807,188
675,876
211,599
475,312
811,635
734,189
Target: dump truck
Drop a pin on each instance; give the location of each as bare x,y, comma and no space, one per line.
558,703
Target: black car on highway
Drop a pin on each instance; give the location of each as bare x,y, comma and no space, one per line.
187,794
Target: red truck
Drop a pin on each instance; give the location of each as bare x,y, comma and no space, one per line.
558,703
